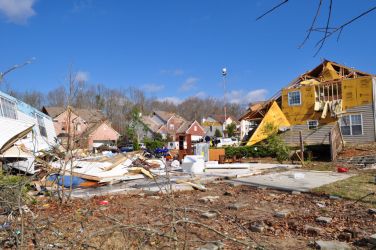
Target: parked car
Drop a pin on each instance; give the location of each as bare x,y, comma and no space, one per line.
127,148
225,142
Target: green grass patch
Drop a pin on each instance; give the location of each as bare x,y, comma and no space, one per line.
353,188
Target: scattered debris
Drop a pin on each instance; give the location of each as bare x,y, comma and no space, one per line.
372,211
325,220
237,205
332,245
372,239
312,230
207,199
257,227
209,215
282,214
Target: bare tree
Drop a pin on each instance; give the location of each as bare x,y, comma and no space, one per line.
327,29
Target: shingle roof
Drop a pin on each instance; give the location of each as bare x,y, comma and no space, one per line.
89,115
164,114
53,111
221,118
184,127
148,121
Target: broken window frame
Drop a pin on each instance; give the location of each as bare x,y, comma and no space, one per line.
291,98
8,108
329,91
312,126
41,125
351,124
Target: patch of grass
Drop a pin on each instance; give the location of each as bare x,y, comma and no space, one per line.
353,188
319,166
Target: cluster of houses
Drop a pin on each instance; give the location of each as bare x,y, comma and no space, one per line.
331,97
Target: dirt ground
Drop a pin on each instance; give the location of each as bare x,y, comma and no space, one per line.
176,221
358,150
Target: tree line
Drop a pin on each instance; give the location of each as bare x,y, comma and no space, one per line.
118,104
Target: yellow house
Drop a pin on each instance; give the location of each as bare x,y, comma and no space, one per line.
314,102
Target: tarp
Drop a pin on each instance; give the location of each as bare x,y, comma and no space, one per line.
12,131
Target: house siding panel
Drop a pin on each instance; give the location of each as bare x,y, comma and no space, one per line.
321,135
368,135
310,137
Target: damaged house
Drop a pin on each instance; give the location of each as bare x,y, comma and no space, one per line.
331,104
89,128
25,133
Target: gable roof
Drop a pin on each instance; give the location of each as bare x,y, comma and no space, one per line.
53,111
94,127
89,115
184,127
164,115
221,118
150,123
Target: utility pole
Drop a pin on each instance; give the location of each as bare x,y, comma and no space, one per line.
224,74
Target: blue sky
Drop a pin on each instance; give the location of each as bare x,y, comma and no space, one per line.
175,49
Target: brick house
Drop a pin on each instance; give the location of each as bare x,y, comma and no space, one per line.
162,122
89,126
194,129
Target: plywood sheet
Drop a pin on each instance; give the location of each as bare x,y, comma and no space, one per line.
274,116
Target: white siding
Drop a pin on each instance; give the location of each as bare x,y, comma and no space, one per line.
35,141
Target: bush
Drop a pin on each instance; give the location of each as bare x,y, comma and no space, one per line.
153,144
247,151
217,133
273,146
277,147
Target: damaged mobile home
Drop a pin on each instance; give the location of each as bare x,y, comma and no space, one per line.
331,104
25,132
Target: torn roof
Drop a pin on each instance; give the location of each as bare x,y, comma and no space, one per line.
324,72
12,131
327,71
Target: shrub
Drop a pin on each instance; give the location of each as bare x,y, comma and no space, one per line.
217,133
153,144
273,146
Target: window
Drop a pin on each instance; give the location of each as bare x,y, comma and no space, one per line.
7,108
211,128
195,128
294,98
172,126
42,127
351,125
313,124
